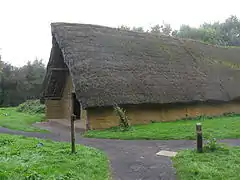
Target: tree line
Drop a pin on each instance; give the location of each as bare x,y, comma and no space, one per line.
225,33
18,84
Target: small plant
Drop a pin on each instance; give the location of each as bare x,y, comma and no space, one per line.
124,121
230,114
4,142
212,145
68,175
33,176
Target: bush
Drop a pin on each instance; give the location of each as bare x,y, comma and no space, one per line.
212,145
31,106
124,121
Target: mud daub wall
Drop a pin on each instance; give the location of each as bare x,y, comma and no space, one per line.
100,118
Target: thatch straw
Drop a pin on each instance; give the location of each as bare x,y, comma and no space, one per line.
115,66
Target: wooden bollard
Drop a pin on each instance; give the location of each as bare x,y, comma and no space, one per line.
199,137
73,118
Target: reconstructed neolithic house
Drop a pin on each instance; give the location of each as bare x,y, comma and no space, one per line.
155,78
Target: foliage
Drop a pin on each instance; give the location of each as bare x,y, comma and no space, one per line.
138,29
161,29
221,127
18,84
31,106
124,27
156,29
224,34
21,158
219,164
212,144
12,119
124,123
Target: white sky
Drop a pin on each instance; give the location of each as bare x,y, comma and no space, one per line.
25,24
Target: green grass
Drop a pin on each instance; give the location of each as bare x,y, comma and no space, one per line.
219,127
217,165
22,159
12,119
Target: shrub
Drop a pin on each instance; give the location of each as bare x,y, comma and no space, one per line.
124,121
213,145
31,106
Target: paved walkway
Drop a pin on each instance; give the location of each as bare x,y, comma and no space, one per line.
130,159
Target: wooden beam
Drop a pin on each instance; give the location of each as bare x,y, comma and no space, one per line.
59,69
52,98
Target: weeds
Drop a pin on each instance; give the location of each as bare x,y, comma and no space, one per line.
124,124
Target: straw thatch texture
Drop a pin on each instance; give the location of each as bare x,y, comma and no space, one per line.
110,66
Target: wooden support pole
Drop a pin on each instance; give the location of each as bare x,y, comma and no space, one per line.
199,137
73,118
73,102
87,122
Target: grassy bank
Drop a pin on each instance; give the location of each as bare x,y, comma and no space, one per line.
10,118
217,165
30,158
219,127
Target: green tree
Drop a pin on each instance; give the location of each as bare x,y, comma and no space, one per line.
31,75
137,29
156,29
166,29
1,81
124,27
225,34
20,84
230,30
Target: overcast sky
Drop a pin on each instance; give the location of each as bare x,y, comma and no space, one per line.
25,24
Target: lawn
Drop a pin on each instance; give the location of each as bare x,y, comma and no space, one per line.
219,127
12,119
217,165
24,158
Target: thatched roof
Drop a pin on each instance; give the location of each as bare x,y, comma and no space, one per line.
110,66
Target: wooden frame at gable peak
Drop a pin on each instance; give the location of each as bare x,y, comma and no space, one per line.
57,72
56,84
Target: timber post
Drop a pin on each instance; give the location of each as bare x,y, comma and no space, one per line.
73,118
199,137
